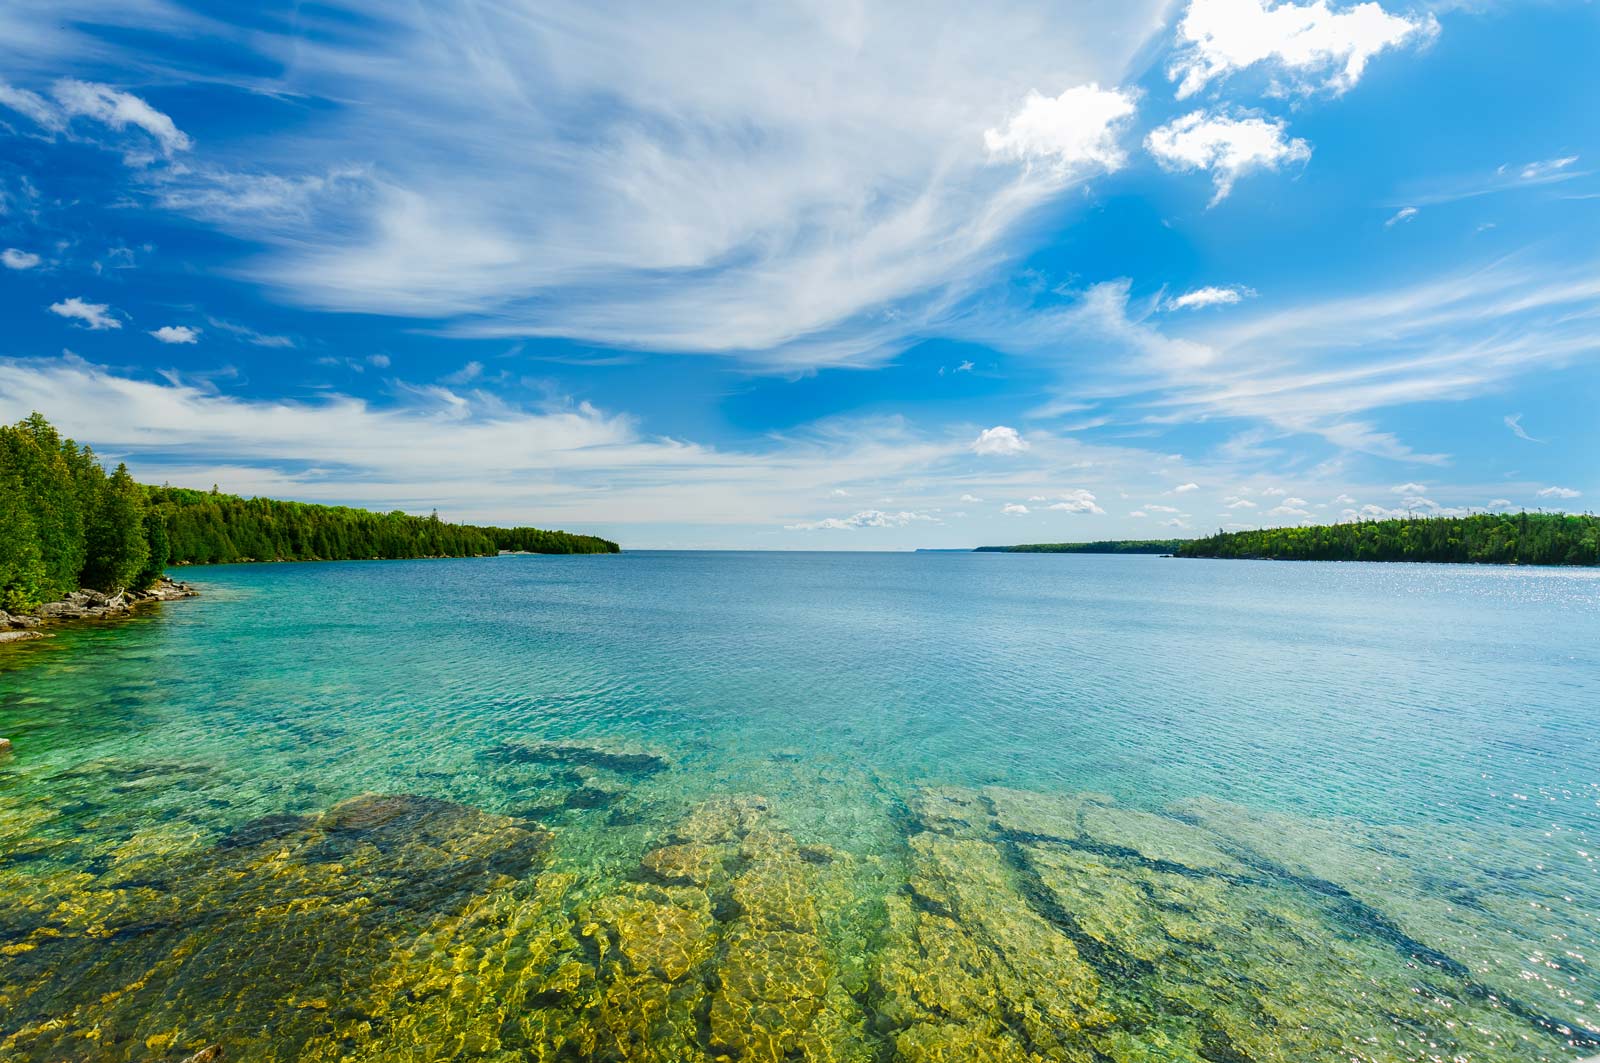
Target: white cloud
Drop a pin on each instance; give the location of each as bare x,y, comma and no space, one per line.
1297,502
1138,513
1302,41
964,367
971,498
1240,503
1513,421
1228,146
1499,503
867,518
1401,215
119,110
1077,501
1185,488
1208,296
1274,492
1408,489
1535,171
14,258
796,185
465,375
1162,509
31,104
1074,131
380,361
176,334
1174,523
95,316
1014,509
1344,500
249,335
1289,511
999,440
1559,492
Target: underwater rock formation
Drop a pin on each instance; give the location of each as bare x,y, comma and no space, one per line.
1001,925
173,949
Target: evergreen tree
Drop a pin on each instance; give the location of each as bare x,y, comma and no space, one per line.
155,534
22,572
114,536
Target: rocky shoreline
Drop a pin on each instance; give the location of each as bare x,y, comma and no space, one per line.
88,605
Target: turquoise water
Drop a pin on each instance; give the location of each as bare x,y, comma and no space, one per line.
811,806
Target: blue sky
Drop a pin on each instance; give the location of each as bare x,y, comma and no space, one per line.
822,276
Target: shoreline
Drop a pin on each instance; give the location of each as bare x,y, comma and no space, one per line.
85,604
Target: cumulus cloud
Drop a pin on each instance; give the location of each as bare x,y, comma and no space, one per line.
1312,45
93,316
1227,145
1073,131
380,361
1207,296
13,258
1162,509
176,334
1138,513
1499,503
1185,488
971,498
1559,492
1402,215
867,518
1077,500
1240,503
1014,509
999,440
1408,489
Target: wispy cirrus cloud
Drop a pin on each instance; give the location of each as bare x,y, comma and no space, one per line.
798,187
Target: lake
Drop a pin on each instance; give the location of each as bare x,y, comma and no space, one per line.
819,807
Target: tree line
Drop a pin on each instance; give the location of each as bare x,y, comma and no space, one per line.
65,523
1483,538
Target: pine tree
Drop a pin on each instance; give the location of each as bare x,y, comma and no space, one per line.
117,550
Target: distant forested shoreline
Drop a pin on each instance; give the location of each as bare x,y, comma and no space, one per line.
1484,539
66,524
1105,546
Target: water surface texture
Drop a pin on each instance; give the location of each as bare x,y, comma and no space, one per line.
811,807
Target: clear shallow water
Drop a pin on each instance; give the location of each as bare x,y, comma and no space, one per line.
811,806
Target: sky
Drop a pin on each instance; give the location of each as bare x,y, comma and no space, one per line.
821,275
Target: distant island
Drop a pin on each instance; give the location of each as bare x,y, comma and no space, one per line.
1104,546
66,524
1481,539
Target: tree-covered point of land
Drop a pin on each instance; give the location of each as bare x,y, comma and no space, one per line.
1105,546
1484,538
65,524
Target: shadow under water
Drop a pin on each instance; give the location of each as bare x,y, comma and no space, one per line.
998,924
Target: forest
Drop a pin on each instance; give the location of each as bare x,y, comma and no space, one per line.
1106,546
1483,538
66,523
